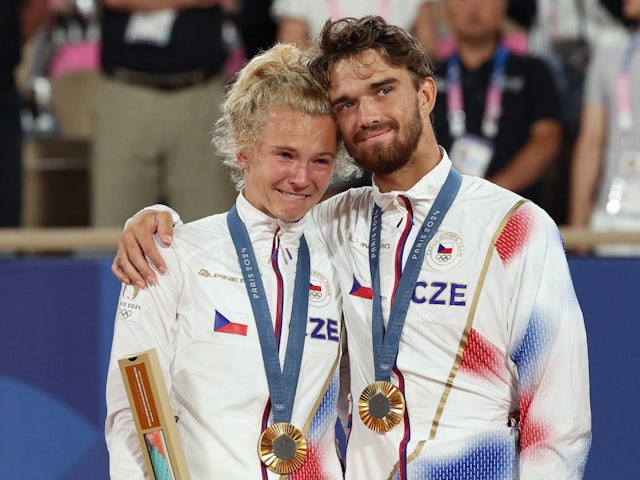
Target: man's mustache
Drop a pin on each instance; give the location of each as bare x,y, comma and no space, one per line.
365,132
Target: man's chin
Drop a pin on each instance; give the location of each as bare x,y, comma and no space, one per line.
380,164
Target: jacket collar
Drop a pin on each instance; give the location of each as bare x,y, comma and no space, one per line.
257,221
423,192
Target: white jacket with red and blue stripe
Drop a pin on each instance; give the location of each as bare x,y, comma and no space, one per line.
199,319
493,354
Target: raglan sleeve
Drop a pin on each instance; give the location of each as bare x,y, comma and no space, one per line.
145,319
548,346
327,217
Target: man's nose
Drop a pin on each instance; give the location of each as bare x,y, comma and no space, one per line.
368,112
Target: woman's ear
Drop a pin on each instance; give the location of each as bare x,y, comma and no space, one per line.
241,157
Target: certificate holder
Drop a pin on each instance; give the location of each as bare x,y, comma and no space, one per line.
153,417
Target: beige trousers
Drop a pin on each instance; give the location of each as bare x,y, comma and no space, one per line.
154,146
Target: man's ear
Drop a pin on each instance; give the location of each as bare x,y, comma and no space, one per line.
427,93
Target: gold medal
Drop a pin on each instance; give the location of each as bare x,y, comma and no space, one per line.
282,448
381,406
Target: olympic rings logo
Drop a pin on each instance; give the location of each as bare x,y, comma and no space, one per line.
319,289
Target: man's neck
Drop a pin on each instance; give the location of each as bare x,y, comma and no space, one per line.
401,180
474,54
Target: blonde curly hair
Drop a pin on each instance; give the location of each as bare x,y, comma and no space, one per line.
278,77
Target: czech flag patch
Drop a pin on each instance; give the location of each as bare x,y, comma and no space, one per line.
358,290
223,325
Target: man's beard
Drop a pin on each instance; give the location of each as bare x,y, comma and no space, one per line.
383,159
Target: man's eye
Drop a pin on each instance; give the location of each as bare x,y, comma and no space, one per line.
345,106
385,90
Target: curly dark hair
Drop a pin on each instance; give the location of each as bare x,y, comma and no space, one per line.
348,37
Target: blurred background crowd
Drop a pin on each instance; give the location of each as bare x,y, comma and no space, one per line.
106,105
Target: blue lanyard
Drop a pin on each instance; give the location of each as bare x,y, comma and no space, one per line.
493,99
282,382
385,344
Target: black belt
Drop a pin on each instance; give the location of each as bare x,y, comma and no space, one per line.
162,81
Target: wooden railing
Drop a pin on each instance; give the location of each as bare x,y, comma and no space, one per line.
575,238
60,240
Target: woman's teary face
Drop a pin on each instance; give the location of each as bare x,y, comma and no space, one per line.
289,167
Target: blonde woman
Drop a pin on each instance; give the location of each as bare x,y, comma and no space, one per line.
248,323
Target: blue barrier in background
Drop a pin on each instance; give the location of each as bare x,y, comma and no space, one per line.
57,317
607,290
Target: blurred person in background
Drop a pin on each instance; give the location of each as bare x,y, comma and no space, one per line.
605,171
498,113
300,21
564,33
257,28
163,64
19,19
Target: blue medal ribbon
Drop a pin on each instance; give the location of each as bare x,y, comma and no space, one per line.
385,344
282,382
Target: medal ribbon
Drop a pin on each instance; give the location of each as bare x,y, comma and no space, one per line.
282,382
493,104
385,344
625,117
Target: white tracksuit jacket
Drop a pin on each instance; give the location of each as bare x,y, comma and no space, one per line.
199,318
493,331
